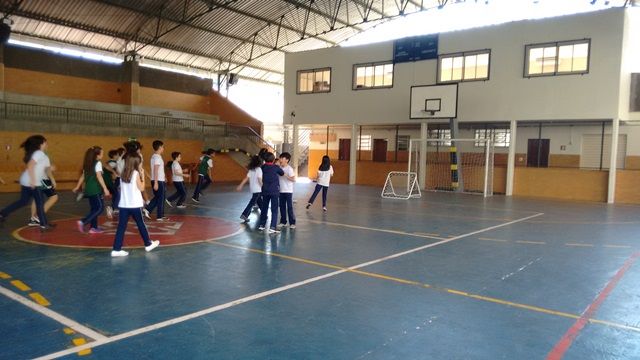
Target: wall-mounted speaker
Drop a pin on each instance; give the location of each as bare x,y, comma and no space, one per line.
233,78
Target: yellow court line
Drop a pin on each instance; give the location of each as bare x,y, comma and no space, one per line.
579,245
68,331
530,242
20,285
39,299
81,341
4,275
440,289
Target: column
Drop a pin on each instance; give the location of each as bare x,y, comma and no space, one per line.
2,49
511,160
615,130
353,155
131,81
295,148
422,169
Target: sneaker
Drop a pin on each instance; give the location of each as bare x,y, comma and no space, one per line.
118,253
109,212
324,209
274,231
169,204
261,228
45,228
292,226
244,218
195,200
96,231
181,206
163,219
308,205
146,213
33,222
280,226
80,226
154,244
116,211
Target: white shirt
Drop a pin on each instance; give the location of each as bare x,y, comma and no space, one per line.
286,185
324,177
98,167
120,166
156,159
176,171
39,170
253,176
130,195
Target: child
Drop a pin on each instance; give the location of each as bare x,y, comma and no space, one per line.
159,181
119,167
325,172
48,188
204,174
254,176
178,181
131,204
30,180
270,192
110,175
286,191
94,187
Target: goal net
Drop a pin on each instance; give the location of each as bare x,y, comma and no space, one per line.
404,184
461,165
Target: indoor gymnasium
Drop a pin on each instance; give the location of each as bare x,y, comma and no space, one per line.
320,179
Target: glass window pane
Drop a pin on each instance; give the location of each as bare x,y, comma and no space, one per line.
302,82
457,68
565,58
580,57
470,67
535,61
368,81
445,69
379,71
549,57
482,66
388,75
359,77
326,77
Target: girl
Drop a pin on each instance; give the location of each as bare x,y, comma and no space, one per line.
178,181
254,176
131,204
325,172
94,187
110,175
48,188
31,179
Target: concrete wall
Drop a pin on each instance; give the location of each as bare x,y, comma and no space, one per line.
630,61
507,95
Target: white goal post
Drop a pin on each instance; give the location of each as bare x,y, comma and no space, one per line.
404,184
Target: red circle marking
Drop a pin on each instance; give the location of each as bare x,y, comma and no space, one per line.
179,230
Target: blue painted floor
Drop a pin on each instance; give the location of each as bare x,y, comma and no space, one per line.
447,276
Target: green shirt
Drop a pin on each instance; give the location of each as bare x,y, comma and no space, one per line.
204,165
91,185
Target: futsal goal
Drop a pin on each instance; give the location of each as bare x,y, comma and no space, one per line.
452,165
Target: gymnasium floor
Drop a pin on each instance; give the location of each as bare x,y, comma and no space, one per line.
443,277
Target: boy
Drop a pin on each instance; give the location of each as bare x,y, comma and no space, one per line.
286,191
270,192
204,174
158,180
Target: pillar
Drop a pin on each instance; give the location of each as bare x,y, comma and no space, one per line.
511,160
131,81
295,148
353,154
615,130
422,169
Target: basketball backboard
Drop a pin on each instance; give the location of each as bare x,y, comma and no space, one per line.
434,101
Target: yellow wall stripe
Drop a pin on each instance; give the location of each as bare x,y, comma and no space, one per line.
20,285
39,299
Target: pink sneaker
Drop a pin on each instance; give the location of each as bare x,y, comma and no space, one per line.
96,231
80,226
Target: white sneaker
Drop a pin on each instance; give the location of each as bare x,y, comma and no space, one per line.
163,219
274,231
292,226
119,253
280,226
181,206
261,228
146,213
168,203
109,212
154,244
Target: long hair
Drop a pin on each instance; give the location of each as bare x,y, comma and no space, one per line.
31,145
326,163
255,162
90,157
131,164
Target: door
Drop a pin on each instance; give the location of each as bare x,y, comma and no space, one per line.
379,150
344,149
538,153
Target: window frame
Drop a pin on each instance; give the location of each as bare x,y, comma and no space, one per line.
491,131
369,142
463,54
408,142
354,76
313,71
443,134
557,44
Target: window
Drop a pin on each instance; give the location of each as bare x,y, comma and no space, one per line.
501,137
559,58
442,134
403,142
465,66
365,142
377,75
314,81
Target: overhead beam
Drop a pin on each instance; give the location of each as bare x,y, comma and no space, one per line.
326,16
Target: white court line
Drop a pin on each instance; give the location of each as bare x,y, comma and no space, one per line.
52,314
217,308
373,229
